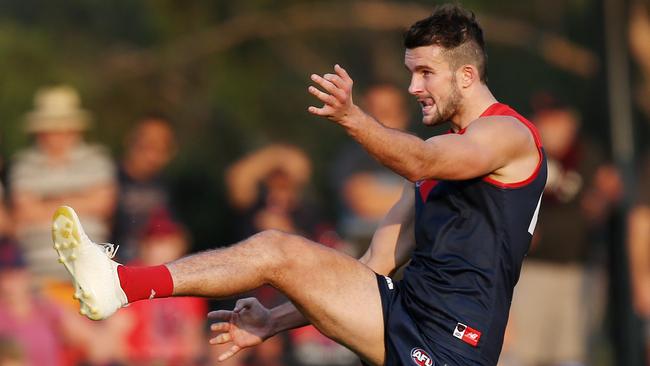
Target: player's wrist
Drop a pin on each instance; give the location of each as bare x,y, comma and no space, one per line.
284,317
353,119
275,322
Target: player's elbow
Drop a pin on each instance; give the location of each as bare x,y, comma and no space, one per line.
419,170
413,176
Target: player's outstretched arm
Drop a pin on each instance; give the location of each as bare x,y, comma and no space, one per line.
488,145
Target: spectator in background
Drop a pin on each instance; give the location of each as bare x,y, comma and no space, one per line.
170,331
550,318
149,148
59,169
366,189
267,188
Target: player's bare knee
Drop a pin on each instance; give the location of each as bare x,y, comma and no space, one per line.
282,252
272,246
269,240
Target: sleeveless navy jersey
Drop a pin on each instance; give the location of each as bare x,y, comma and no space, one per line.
471,236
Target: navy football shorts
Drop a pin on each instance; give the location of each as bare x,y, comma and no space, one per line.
404,342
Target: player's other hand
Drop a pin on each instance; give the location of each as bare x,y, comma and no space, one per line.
247,325
336,95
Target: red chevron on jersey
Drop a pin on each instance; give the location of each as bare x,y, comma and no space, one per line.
425,186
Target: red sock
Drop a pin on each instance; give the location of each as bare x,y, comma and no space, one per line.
140,283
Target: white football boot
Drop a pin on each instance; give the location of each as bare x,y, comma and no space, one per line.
94,273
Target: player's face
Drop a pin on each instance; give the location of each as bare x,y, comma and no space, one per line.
433,83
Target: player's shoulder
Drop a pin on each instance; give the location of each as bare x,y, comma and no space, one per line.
505,126
492,122
508,132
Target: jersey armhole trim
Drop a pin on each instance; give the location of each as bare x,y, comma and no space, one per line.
535,173
519,184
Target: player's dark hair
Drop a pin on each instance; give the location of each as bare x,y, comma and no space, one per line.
457,31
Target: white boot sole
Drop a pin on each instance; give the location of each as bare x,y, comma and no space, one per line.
66,235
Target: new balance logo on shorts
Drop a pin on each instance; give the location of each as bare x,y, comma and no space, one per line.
421,358
467,334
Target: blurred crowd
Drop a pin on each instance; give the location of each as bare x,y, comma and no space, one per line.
127,201
559,308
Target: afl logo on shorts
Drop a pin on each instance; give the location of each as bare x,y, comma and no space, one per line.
420,357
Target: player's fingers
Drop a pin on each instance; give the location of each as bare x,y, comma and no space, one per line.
322,96
329,86
221,339
318,111
220,315
336,80
244,303
343,74
229,353
220,327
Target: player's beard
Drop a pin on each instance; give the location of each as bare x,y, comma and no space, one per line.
447,110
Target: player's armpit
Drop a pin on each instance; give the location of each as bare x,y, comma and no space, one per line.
394,239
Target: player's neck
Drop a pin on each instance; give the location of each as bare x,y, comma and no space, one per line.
475,103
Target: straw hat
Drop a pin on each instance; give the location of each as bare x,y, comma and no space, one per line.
57,108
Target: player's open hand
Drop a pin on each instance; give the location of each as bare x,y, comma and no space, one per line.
247,325
336,94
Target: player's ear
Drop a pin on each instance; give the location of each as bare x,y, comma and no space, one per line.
467,75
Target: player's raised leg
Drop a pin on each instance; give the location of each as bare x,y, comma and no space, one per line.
335,292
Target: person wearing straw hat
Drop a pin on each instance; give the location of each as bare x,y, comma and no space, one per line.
59,168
